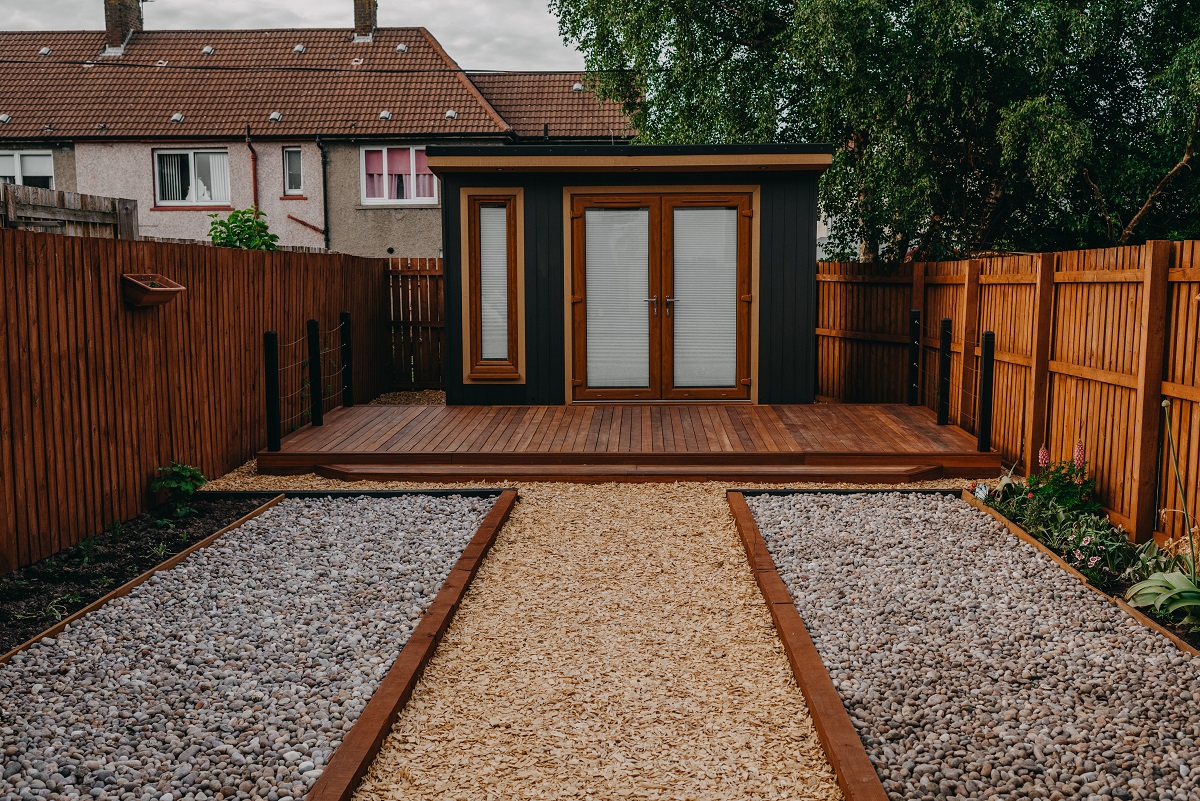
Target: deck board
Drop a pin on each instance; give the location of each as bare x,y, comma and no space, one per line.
631,434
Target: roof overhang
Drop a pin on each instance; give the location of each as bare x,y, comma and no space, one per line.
628,158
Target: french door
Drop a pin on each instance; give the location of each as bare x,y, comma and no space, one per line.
660,293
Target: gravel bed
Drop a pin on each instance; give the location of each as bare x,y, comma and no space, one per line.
975,667
613,645
236,674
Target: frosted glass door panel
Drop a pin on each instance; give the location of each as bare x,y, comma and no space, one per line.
493,280
704,316
617,280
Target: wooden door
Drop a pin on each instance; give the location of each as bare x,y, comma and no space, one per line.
661,297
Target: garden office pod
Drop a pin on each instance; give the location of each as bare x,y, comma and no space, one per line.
597,273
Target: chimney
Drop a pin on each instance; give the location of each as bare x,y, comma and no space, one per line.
365,12
121,18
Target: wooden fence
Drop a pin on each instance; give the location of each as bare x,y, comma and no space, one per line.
97,394
1088,345
417,289
32,208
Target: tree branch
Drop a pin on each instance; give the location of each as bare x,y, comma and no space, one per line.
1161,187
1108,222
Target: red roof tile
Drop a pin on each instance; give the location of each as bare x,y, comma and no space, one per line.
336,87
529,100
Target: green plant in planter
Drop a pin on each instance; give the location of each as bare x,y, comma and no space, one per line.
1096,548
179,482
1067,483
1151,559
245,228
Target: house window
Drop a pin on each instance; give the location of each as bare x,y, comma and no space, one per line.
28,168
191,177
293,181
492,287
397,175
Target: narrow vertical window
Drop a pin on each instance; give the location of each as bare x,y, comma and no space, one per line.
293,179
492,283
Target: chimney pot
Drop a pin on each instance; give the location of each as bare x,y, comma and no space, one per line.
365,13
121,18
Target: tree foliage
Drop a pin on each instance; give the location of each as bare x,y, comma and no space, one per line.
959,126
244,228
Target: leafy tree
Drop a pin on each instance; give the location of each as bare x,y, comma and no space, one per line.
959,126
244,228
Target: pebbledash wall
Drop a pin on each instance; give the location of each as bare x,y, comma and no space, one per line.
126,169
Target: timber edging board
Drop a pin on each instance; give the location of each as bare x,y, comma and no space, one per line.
1133,612
130,585
839,739
363,742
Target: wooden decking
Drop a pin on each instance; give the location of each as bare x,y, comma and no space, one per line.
632,442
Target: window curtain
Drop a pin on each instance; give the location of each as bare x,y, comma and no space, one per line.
174,176
374,170
617,276
8,169
705,292
493,280
399,179
212,177
426,181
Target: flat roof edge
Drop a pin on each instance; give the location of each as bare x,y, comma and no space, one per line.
620,158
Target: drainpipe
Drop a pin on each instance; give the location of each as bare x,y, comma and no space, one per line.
324,189
253,169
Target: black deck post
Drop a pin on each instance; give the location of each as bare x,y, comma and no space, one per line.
943,395
347,362
271,384
987,371
914,357
315,387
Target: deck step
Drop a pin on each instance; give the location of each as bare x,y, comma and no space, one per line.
879,474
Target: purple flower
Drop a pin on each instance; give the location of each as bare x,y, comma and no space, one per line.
1043,457
1079,458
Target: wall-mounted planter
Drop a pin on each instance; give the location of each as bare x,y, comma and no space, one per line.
148,289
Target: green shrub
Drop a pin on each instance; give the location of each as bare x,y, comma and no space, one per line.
245,228
179,482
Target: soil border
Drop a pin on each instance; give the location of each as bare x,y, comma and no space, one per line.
1020,533
839,739
130,585
362,743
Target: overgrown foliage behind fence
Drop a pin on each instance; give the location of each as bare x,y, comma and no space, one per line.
1088,345
98,394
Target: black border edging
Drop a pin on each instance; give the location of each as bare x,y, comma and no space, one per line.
955,493
486,492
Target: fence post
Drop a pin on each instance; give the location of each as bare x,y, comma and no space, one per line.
987,371
1147,410
271,384
347,362
943,391
970,311
315,391
1036,401
914,357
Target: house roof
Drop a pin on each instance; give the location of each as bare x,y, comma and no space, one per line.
528,101
336,87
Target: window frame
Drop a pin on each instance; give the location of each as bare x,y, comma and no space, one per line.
18,176
191,154
288,191
412,174
477,368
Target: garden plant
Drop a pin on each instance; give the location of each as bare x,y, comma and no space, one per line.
245,228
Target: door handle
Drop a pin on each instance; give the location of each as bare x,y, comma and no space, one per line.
653,301
668,302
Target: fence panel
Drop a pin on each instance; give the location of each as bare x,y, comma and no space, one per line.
417,288
32,208
97,393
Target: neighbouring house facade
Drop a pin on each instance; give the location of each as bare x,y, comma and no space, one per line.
324,130
599,273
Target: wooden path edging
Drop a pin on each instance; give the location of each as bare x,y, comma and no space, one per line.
1137,615
839,739
130,585
363,742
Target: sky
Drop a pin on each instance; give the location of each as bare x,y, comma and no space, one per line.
478,34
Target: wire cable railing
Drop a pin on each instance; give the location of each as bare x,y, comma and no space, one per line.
306,377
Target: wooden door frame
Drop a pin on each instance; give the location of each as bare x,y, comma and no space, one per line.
741,387
578,295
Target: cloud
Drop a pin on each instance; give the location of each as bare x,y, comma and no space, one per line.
478,34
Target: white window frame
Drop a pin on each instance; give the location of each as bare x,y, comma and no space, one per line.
300,189
191,154
412,174
20,178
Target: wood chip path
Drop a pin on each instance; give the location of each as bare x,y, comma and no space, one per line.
613,645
